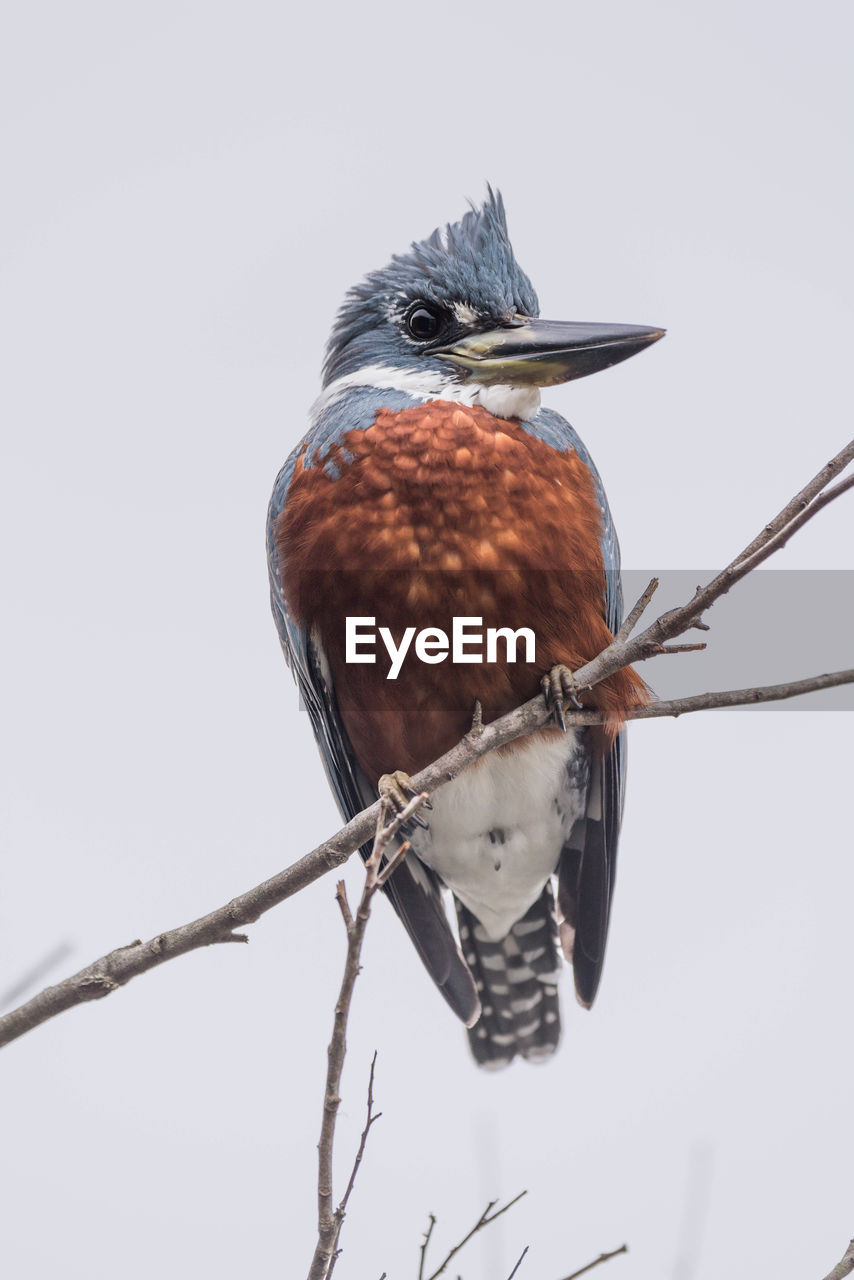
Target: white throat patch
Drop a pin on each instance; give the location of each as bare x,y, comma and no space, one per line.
505,401
502,401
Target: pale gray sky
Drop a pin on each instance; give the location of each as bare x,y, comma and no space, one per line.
188,191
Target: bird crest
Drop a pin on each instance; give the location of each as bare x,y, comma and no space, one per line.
466,264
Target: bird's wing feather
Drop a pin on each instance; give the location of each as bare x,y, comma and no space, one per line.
413,890
586,883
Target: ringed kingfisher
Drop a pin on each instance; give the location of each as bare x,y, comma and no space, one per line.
432,488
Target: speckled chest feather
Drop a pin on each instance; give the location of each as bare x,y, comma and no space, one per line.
435,512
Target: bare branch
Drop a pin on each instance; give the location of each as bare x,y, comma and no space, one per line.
743,697
371,1120
675,622
393,863
802,500
837,489
519,1263
118,967
844,1267
484,1220
638,608
341,899
761,548
323,1260
329,1220
427,1234
603,1257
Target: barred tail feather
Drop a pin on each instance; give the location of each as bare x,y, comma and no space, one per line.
516,980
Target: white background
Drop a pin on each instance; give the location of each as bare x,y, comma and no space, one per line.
188,191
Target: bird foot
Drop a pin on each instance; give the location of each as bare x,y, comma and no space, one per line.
558,686
397,790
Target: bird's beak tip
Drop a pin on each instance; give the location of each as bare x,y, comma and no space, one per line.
545,352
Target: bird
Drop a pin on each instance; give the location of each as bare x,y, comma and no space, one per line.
432,491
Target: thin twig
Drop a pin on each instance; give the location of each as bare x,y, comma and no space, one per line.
324,1254
484,1220
638,608
741,697
802,499
341,899
371,1120
329,1220
112,971
427,1234
747,563
519,1263
603,1257
394,861
844,1267
836,490
676,621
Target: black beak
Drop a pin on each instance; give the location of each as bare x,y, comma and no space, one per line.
546,352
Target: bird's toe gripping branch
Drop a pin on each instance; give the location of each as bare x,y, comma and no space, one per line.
558,686
397,790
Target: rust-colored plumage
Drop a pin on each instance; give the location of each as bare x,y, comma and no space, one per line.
438,511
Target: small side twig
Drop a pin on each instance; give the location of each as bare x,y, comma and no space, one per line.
844,1267
519,1263
603,1257
371,1120
427,1234
633,617
484,1220
329,1220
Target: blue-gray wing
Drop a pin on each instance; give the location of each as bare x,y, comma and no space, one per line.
414,890
589,861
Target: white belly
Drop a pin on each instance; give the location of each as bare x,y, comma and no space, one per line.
496,832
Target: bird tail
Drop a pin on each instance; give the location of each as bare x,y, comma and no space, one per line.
516,980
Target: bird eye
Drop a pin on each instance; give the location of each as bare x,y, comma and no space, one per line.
423,322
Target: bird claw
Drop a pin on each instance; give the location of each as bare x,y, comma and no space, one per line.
397,789
559,685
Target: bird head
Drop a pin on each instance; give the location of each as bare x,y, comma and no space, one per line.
457,316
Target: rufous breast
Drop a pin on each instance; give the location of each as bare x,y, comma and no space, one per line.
436,512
